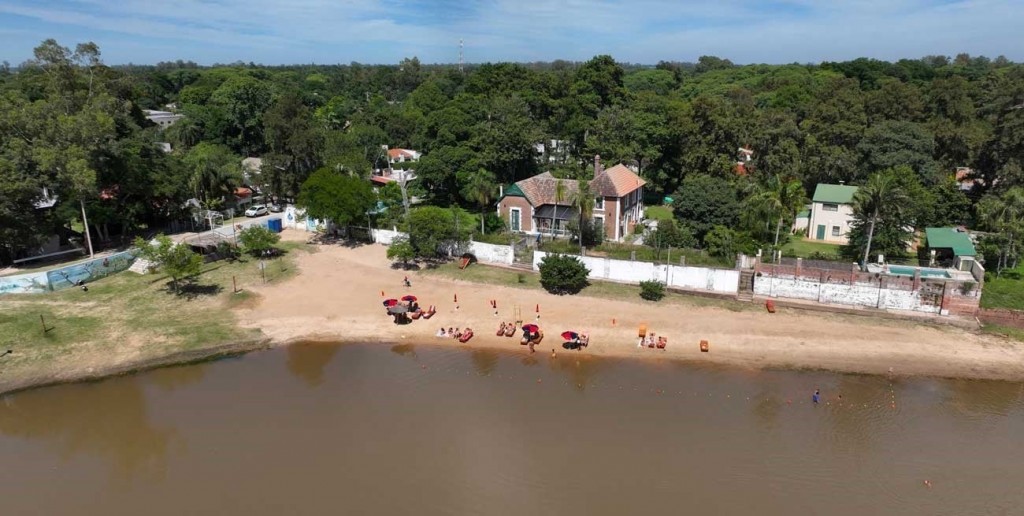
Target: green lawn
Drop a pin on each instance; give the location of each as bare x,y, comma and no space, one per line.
1006,291
478,273
658,212
799,247
131,315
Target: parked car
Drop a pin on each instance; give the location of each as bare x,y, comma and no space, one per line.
276,208
256,211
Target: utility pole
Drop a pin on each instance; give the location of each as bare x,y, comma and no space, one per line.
460,56
85,223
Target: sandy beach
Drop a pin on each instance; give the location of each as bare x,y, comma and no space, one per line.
337,296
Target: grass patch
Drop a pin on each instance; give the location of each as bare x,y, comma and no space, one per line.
659,212
1005,331
1005,291
128,314
599,289
800,247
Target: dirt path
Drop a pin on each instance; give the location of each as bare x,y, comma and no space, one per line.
337,296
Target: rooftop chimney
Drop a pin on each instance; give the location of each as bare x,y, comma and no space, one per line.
597,164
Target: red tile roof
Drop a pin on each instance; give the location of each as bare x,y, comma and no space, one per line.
617,181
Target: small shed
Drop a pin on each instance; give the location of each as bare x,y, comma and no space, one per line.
949,243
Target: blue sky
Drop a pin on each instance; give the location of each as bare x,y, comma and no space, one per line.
640,31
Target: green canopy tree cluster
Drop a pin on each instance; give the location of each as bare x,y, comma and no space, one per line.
72,125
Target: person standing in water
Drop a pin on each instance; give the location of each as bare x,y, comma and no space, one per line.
816,396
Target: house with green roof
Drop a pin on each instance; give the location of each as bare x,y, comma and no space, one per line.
947,244
831,213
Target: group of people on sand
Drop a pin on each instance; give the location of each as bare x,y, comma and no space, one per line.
652,341
454,333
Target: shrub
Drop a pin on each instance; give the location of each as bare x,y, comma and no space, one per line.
669,234
175,260
256,240
562,274
401,249
227,251
652,290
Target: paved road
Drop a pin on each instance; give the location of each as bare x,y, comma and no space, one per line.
226,230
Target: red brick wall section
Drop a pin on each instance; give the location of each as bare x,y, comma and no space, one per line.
1002,317
609,217
505,212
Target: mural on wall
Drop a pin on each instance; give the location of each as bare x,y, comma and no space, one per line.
24,283
92,270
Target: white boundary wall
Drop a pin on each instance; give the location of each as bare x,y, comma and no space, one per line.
724,281
486,253
857,294
491,253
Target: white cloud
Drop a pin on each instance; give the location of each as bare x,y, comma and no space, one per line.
638,31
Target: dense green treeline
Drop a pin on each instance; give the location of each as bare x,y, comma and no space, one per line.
71,124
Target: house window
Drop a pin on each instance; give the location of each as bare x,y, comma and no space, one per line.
599,203
830,207
515,214
599,222
835,231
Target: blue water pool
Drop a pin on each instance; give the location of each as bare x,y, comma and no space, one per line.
903,270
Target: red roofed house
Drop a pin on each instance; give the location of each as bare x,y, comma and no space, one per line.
530,206
402,155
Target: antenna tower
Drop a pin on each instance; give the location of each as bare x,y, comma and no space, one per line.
460,55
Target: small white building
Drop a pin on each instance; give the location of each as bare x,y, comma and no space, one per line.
831,213
163,119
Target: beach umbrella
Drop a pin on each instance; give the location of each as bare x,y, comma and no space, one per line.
408,297
570,335
532,328
390,302
398,309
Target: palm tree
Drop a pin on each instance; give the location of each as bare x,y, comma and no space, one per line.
583,200
779,198
480,189
1004,214
880,198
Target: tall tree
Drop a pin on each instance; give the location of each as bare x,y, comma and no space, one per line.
481,189
778,199
340,198
878,201
1005,215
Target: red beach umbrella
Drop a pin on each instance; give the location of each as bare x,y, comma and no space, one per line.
569,335
390,302
408,297
530,328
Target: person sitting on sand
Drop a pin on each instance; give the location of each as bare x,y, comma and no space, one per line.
458,333
451,332
650,340
442,333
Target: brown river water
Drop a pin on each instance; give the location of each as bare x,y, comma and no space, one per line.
378,429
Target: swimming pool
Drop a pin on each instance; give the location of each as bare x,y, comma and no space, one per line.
904,270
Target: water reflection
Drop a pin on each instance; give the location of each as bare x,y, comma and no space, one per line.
173,378
404,350
484,361
580,369
108,419
984,398
307,361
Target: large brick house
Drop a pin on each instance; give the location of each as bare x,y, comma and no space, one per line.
533,205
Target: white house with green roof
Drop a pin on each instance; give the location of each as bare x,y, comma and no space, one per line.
831,213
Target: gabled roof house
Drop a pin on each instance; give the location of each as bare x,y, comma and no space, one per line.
534,206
